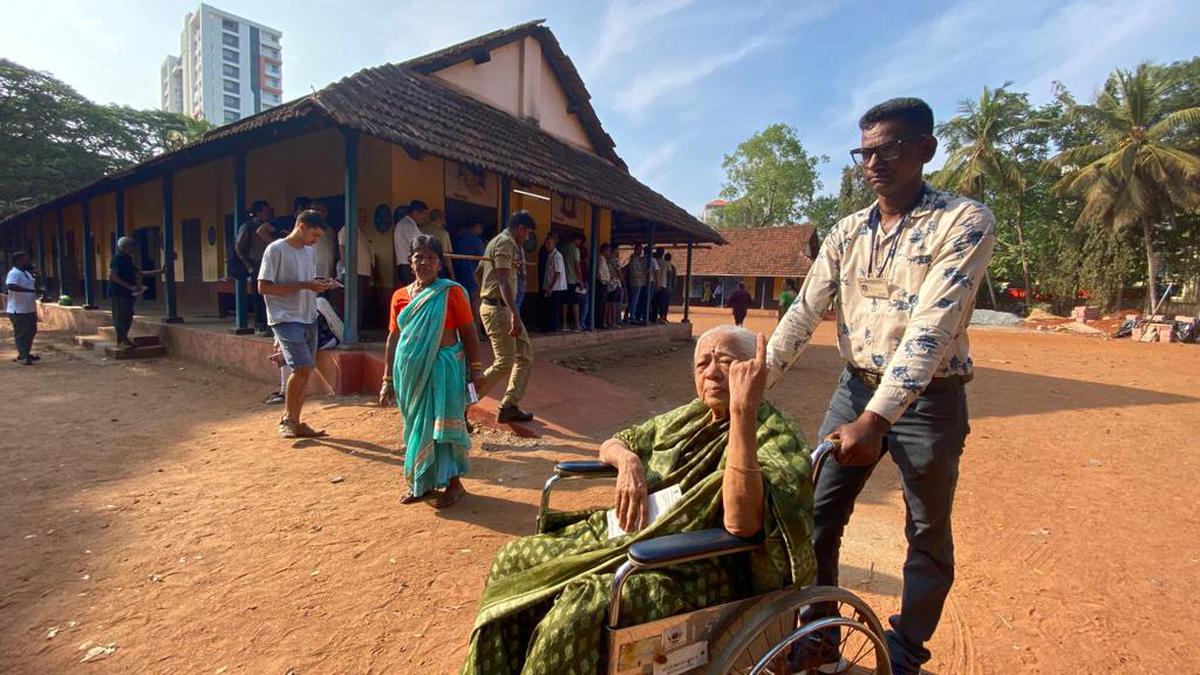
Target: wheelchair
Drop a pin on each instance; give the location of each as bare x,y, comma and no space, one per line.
754,636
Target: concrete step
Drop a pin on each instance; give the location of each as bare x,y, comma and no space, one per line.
148,352
89,341
109,333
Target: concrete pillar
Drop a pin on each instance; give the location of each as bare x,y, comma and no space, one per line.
170,308
351,319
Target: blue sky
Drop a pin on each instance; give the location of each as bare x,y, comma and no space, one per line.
677,83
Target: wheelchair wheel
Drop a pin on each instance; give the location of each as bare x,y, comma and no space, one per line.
847,640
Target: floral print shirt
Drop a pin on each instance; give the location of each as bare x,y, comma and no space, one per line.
919,331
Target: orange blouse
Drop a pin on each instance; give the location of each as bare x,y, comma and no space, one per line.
458,308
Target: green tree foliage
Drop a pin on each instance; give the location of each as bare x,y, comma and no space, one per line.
55,140
770,179
982,140
823,214
854,193
1139,173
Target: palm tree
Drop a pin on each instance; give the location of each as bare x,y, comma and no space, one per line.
1139,173
980,139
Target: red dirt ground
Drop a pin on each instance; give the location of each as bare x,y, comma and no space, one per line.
151,506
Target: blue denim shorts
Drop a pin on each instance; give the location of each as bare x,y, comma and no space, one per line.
298,342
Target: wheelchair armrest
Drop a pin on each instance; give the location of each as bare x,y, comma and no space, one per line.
674,549
590,468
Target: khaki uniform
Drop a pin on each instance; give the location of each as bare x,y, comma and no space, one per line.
513,356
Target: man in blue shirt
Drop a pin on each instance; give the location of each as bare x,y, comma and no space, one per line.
467,240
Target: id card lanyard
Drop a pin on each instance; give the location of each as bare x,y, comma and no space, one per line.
875,223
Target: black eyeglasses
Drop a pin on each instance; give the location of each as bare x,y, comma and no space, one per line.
887,152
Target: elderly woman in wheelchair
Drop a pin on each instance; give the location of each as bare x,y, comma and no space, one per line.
740,528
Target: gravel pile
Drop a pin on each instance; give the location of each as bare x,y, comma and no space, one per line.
989,317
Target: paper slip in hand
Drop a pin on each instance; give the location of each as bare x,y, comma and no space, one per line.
660,502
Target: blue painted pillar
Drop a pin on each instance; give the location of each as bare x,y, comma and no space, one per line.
60,242
687,284
350,321
43,272
651,286
89,260
171,310
120,213
241,320
593,260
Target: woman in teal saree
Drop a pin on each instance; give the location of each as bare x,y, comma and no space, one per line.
741,465
431,337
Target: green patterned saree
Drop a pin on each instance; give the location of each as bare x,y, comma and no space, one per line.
547,595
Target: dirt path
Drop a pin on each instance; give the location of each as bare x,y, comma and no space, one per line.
150,506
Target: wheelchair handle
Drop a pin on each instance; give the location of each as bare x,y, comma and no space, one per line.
821,454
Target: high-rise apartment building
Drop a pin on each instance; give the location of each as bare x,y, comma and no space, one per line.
172,84
228,68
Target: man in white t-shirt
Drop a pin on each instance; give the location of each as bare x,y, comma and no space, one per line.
289,284
22,306
325,250
407,229
363,265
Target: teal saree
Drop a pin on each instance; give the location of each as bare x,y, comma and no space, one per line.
431,392
544,605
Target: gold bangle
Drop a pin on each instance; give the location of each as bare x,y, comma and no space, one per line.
387,379
742,470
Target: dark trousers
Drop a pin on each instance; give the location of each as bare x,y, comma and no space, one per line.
404,275
551,311
24,330
122,313
925,443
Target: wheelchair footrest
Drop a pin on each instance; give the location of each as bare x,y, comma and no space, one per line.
687,546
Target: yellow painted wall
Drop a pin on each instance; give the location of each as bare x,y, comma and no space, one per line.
423,179
103,223
605,226
73,231
541,212
496,82
552,110
309,165
375,188
143,208
519,81
203,192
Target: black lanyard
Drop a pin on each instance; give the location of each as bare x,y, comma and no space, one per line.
874,223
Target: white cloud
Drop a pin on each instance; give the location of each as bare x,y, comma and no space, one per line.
628,25
653,165
648,87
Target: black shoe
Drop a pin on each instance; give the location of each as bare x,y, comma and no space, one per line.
35,357
275,398
27,361
817,654
513,414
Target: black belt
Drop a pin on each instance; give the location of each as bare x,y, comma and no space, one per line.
871,379
493,302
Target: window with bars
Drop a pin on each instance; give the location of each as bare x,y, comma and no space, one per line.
230,71
229,25
233,102
230,86
229,55
229,40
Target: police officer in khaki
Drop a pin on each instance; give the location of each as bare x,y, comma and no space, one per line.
502,262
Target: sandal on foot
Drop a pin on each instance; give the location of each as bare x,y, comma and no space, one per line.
450,497
409,498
